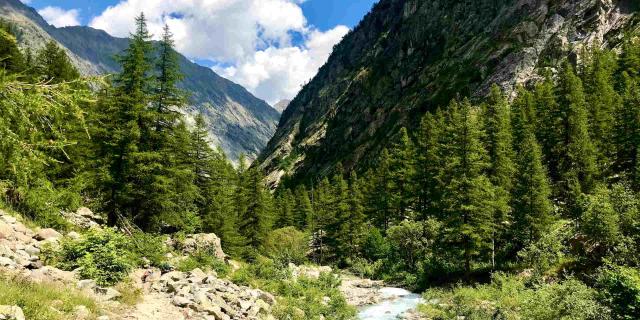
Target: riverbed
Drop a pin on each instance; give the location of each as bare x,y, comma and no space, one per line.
394,303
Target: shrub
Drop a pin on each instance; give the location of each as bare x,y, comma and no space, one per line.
364,269
508,297
149,246
101,255
204,260
621,291
287,245
548,252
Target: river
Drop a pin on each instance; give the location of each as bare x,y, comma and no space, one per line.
394,303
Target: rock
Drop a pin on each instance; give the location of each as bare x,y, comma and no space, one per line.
11,313
31,250
81,313
87,284
102,318
7,218
73,235
173,276
7,263
51,274
108,294
46,234
84,218
208,242
180,301
6,231
267,297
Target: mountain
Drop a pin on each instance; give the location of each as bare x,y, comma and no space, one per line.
282,105
410,56
239,122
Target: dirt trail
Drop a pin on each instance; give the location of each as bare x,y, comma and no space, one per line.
157,307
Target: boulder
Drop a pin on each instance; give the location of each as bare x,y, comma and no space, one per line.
51,274
84,218
108,294
208,242
81,313
6,231
11,313
47,234
87,284
7,263
179,301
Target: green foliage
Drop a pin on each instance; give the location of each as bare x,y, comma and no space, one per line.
53,64
101,255
203,260
287,245
508,297
621,291
298,298
43,301
549,251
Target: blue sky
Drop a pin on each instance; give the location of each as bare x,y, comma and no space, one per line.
271,47
324,14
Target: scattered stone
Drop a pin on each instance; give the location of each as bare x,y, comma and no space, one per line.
11,313
87,284
51,274
193,243
108,294
180,301
81,313
84,218
46,234
102,318
7,263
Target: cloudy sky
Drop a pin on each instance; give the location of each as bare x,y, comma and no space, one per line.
272,47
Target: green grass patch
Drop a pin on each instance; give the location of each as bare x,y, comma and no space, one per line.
43,301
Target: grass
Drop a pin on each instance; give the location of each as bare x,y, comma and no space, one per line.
130,295
43,301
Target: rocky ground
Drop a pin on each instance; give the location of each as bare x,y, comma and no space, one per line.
172,296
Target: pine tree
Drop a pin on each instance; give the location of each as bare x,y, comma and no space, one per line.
286,206
167,96
551,131
303,210
499,141
603,103
380,193
402,174
53,64
323,213
533,210
523,116
356,220
429,164
578,161
337,229
11,59
469,195
257,219
627,133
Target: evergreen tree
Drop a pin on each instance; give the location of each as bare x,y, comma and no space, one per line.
167,95
552,128
578,161
356,220
53,64
380,193
257,219
402,174
523,116
603,103
499,142
323,212
337,230
429,164
533,210
286,206
11,59
303,210
469,195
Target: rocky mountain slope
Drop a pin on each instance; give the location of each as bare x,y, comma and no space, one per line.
282,105
238,121
410,56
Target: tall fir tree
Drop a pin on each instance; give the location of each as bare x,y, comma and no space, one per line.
402,169
53,64
303,210
256,220
429,165
578,161
469,195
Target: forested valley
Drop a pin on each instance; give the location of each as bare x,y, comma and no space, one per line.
528,201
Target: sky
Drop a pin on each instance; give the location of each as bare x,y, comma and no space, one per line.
271,47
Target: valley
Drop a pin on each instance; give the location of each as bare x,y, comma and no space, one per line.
450,160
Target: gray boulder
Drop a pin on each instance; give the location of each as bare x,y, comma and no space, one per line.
11,313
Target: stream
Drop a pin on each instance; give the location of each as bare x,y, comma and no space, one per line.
395,302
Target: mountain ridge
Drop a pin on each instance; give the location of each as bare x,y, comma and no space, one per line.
238,121
407,57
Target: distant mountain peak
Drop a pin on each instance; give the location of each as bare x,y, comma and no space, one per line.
282,105
238,121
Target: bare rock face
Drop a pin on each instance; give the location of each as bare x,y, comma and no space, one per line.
47,234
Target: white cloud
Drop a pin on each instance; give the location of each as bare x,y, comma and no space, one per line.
60,17
253,38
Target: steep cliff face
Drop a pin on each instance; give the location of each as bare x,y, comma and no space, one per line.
410,56
238,122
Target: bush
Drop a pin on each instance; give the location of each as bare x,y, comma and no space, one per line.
621,291
364,269
205,261
548,252
149,246
287,245
508,297
101,255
